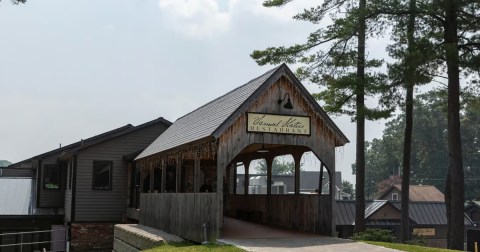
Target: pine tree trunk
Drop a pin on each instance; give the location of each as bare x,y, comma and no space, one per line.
456,201
407,143
360,105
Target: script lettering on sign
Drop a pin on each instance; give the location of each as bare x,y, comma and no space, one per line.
424,231
278,124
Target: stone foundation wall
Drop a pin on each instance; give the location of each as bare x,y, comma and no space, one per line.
91,237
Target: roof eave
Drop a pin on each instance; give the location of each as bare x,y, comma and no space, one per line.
178,148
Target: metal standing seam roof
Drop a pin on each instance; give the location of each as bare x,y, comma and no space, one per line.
207,120
421,213
187,129
16,198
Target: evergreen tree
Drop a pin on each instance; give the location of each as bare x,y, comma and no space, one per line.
342,69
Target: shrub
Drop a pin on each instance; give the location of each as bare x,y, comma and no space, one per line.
375,234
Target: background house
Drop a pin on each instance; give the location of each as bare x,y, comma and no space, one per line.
472,209
427,219
417,193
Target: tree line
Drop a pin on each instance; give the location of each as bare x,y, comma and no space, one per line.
429,163
432,40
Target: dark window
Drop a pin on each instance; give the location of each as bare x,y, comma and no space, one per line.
102,175
51,177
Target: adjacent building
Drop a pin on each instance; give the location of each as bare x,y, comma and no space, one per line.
85,184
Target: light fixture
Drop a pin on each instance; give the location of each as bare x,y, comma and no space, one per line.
262,150
287,105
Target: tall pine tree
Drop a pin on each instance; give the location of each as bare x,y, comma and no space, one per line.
334,57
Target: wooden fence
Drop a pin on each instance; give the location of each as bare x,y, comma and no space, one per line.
182,214
304,212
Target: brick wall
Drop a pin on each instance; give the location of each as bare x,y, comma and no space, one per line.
91,237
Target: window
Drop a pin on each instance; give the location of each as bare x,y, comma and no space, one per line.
310,170
394,196
240,179
102,175
283,175
257,177
51,177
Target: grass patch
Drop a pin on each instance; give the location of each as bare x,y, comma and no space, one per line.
190,247
408,247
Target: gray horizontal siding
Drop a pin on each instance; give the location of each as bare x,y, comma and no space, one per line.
17,172
108,205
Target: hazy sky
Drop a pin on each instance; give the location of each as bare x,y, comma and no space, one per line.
73,69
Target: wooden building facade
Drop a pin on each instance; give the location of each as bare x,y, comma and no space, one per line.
193,165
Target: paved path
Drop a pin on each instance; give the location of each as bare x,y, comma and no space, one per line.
323,244
254,237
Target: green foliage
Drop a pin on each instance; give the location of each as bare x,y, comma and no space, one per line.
189,247
429,149
374,234
348,187
329,58
279,167
416,240
408,247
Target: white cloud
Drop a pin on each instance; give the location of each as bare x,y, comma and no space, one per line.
195,18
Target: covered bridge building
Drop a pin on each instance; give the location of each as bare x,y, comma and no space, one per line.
191,168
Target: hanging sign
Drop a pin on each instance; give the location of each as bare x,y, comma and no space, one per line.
424,231
278,124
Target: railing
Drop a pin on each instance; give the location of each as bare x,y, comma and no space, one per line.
26,244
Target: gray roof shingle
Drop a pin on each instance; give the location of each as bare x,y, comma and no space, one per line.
202,122
210,120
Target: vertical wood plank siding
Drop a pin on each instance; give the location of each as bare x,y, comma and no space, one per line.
307,213
182,214
108,205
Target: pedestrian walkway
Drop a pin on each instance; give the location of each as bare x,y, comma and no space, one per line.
255,237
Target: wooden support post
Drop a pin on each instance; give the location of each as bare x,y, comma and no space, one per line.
297,157
129,183
164,175
179,176
152,179
196,174
142,176
269,161
320,187
246,181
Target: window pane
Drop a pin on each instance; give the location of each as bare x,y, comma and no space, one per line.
240,179
283,175
257,177
309,173
102,174
51,177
